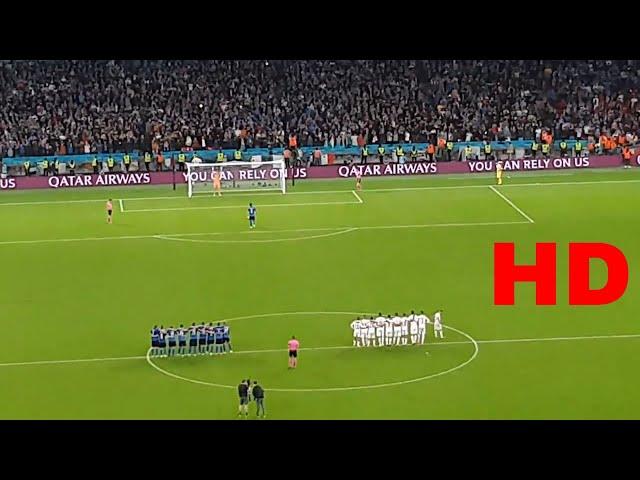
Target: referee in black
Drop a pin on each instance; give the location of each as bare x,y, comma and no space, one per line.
243,393
258,396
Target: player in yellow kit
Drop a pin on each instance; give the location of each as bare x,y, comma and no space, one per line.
499,169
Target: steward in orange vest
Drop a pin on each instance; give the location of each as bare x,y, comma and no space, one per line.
626,157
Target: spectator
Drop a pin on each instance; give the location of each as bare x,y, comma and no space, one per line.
54,108
159,162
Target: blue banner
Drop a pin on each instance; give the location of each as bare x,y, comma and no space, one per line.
210,155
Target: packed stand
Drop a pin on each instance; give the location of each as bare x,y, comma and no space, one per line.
64,107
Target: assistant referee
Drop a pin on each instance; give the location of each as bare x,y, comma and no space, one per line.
258,395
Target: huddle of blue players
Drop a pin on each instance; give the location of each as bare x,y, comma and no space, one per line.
195,340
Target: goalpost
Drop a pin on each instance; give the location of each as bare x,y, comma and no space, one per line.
236,176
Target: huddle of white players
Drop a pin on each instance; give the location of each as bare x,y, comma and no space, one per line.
395,330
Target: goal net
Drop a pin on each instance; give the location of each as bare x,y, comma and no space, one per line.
236,176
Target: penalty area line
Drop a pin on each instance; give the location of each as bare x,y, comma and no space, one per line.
517,209
355,194
369,190
217,207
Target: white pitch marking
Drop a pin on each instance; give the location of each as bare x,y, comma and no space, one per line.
121,206
268,240
77,360
517,209
336,389
365,227
369,190
441,225
338,347
355,194
546,339
171,197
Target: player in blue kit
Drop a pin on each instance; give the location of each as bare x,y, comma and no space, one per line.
193,339
207,338
171,342
226,337
182,341
155,340
211,339
162,342
202,338
219,332
252,216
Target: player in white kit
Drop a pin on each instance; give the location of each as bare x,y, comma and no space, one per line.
405,329
388,330
355,326
413,327
362,333
422,326
397,329
437,324
371,333
380,322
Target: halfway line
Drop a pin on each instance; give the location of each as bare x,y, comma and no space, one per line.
338,347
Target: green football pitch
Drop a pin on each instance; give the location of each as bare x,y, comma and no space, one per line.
78,298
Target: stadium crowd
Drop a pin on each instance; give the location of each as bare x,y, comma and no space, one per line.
64,107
